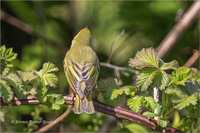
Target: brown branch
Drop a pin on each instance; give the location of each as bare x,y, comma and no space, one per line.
60,118
192,59
175,33
117,112
28,30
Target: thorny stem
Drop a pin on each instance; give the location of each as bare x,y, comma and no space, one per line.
117,112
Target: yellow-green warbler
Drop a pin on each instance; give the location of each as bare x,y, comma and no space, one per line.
81,67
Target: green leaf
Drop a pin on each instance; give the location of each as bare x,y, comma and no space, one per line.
3,64
15,81
163,122
7,54
136,128
5,91
150,114
160,80
192,87
127,90
175,90
145,58
159,107
105,88
195,73
171,65
1,116
135,103
180,76
149,102
46,75
27,77
183,102
145,78
55,100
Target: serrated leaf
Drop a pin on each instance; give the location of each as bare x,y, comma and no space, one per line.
2,50
163,122
149,102
180,76
175,90
5,91
127,90
7,54
160,80
27,77
136,128
3,64
195,73
181,103
135,103
171,65
145,78
145,58
159,107
56,100
46,75
150,114
14,81
105,88
192,87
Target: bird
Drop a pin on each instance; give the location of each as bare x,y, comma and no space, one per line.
81,67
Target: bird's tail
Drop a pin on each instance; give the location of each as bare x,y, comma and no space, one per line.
84,105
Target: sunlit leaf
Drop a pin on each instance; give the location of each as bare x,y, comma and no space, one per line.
55,100
127,90
135,103
160,80
150,114
181,103
27,77
145,78
171,65
136,128
145,58
46,75
149,102
180,76
5,91
163,122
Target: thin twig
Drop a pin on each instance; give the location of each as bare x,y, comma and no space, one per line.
117,112
111,50
29,30
118,67
192,59
56,121
178,29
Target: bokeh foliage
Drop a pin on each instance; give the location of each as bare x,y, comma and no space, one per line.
146,23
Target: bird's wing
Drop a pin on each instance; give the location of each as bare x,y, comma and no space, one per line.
82,78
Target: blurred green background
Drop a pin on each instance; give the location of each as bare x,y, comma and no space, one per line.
51,28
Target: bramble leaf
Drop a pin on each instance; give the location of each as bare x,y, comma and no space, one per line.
163,122
127,90
48,78
56,100
171,65
145,78
145,58
136,128
195,74
180,76
5,91
135,103
183,102
150,114
149,102
160,80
